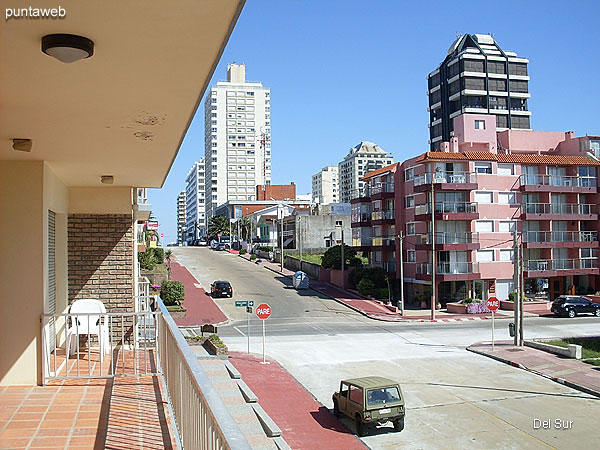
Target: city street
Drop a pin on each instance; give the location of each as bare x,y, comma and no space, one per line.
454,398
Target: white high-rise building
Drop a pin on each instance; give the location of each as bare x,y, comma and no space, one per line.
181,228
237,120
325,186
195,202
361,159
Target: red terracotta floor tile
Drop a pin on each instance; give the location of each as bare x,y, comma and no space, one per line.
19,443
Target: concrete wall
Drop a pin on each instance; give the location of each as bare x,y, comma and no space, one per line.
311,230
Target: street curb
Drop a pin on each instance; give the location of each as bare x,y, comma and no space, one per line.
558,380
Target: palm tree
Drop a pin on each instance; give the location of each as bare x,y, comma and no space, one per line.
168,255
218,224
245,227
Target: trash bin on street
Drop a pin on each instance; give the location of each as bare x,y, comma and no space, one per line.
300,280
511,329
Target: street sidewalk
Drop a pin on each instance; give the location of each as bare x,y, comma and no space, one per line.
570,372
304,422
376,310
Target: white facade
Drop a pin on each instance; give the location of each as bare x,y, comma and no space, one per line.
325,186
237,120
362,159
195,202
181,219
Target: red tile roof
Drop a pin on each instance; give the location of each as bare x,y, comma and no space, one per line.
561,160
374,173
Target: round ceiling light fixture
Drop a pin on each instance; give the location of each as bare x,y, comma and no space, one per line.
67,48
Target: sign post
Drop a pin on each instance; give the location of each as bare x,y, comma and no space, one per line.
263,311
492,304
248,304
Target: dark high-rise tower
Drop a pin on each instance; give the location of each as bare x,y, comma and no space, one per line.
477,76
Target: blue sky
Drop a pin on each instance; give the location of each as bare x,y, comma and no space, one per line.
345,71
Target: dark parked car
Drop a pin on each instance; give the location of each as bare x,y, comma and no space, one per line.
221,289
571,306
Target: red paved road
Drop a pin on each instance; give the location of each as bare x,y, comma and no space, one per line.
304,422
201,309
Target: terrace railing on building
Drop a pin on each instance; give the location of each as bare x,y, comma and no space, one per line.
383,240
388,266
361,217
448,268
448,208
448,238
560,236
365,241
558,208
561,264
446,177
377,188
557,180
388,214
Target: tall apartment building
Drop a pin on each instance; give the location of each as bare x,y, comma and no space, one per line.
325,186
361,159
237,139
181,226
477,76
487,184
195,221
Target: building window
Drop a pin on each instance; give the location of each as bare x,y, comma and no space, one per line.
410,201
506,169
506,254
409,174
480,124
506,226
410,228
411,256
483,167
484,256
484,226
507,198
484,197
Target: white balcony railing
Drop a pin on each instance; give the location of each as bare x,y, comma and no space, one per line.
557,180
449,238
448,268
560,236
446,177
558,208
560,264
447,208
388,214
383,240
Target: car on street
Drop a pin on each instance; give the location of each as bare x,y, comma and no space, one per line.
370,401
573,305
221,289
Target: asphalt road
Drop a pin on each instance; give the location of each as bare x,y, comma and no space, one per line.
455,399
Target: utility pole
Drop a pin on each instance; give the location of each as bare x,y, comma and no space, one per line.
433,262
522,286
281,240
516,283
401,238
342,229
299,240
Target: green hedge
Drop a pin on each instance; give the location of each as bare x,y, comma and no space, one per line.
253,256
365,286
146,260
265,248
243,251
172,292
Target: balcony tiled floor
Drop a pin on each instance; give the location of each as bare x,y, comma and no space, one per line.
113,413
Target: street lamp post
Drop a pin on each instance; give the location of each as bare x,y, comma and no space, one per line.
400,239
433,262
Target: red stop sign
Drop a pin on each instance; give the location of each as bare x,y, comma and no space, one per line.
263,311
493,303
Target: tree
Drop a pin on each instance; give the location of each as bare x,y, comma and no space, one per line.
168,255
218,224
332,259
245,227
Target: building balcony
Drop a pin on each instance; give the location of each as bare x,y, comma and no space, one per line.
457,271
360,196
446,181
448,241
383,241
559,267
378,217
448,211
557,183
362,243
361,219
388,266
559,239
378,191
558,211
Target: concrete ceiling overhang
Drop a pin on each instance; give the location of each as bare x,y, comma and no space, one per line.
124,111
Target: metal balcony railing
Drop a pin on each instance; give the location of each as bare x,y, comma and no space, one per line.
362,242
377,188
361,217
561,264
446,177
383,240
449,238
447,208
448,268
560,236
557,180
383,215
558,208
388,266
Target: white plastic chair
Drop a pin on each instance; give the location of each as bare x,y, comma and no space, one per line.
95,323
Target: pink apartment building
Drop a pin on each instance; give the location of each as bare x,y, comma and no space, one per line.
486,185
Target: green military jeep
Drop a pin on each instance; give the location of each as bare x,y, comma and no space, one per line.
370,400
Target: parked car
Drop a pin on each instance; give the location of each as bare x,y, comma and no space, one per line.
221,288
370,401
572,305
214,244
202,242
221,246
